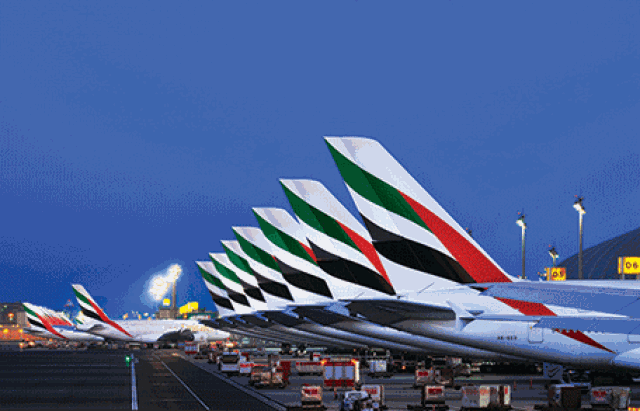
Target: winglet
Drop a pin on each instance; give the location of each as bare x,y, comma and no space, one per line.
463,317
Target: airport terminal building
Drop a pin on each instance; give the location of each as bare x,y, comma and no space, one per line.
600,262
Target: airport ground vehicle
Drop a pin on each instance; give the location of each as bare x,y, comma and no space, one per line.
354,400
270,378
229,363
256,373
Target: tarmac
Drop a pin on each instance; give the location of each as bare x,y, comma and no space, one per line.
167,379
101,379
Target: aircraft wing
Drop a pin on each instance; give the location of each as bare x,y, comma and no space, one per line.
610,300
388,311
319,314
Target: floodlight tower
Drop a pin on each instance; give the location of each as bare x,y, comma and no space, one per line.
554,254
580,209
523,225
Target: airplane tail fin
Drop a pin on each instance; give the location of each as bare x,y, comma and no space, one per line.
39,320
343,247
261,256
91,309
297,261
33,318
407,225
240,266
88,305
241,303
216,288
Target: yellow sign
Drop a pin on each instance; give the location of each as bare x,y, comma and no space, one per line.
189,308
556,273
628,265
166,302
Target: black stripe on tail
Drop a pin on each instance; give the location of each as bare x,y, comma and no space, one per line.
303,280
349,271
91,314
238,298
414,255
273,287
221,301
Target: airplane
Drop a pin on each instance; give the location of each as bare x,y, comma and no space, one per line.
47,323
400,214
251,306
234,315
281,227
344,248
142,331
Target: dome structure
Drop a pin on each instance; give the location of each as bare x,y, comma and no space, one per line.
600,262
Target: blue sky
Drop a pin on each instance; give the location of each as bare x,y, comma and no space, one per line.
134,135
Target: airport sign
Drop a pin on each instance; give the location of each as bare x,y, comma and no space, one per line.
628,265
556,273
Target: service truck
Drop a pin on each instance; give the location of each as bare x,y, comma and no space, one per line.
229,363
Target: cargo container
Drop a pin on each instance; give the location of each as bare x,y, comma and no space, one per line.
616,398
191,349
475,397
245,369
423,377
376,393
378,369
341,373
311,397
565,396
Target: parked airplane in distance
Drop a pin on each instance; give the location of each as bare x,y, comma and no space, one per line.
142,331
47,323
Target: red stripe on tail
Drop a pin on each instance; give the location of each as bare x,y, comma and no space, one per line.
367,249
479,267
106,319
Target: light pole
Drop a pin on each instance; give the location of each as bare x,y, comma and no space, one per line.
580,209
553,253
521,223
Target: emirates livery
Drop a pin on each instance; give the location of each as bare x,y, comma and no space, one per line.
401,215
141,331
47,323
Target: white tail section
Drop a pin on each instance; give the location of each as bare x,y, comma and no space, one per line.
298,262
400,215
261,254
215,288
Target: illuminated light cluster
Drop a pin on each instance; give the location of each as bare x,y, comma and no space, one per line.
161,284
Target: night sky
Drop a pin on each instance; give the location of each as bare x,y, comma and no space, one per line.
133,135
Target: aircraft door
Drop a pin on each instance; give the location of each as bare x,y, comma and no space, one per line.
536,335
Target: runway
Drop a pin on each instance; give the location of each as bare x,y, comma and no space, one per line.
101,379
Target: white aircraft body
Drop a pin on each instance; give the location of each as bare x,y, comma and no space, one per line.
142,331
400,214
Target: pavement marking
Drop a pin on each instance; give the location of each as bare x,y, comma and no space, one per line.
185,386
258,396
134,389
